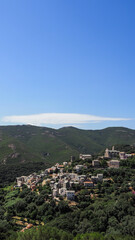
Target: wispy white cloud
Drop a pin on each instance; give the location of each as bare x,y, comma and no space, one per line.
57,118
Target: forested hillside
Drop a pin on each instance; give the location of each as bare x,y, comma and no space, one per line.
26,148
22,144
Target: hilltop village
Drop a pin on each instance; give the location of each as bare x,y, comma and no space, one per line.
88,193
66,179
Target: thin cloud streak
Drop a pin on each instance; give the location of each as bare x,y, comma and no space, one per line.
58,118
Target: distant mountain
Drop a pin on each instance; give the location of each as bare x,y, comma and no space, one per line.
26,143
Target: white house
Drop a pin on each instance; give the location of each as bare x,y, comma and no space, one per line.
85,156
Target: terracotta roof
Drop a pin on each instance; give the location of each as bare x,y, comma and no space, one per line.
29,226
88,182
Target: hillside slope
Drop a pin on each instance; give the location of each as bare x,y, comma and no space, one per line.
26,143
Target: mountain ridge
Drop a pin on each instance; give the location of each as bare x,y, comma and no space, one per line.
28,143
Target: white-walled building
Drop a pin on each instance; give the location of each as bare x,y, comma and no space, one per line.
96,163
113,163
85,156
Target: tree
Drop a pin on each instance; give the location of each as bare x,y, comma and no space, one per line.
20,206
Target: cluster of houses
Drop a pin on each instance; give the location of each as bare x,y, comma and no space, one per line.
63,183
112,153
30,181
113,163
109,154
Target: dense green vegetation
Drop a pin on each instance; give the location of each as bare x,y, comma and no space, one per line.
105,212
8,173
108,209
125,148
49,233
22,144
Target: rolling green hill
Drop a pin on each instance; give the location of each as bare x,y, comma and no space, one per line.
26,143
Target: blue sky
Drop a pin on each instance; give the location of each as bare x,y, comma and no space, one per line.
71,57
